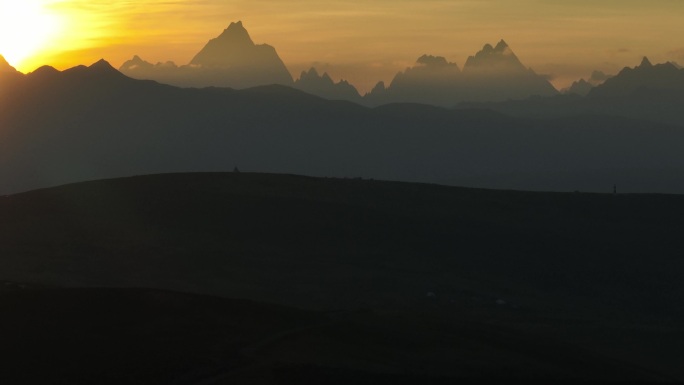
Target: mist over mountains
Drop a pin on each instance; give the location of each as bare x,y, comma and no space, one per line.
647,92
322,85
230,60
95,122
493,74
233,60
346,272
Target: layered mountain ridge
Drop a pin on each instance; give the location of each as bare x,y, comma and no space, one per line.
233,60
645,76
322,85
647,92
95,122
493,74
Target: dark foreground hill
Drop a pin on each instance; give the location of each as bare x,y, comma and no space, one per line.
401,283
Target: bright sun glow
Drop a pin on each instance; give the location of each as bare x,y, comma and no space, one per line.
26,28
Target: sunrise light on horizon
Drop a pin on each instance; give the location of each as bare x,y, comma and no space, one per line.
360,41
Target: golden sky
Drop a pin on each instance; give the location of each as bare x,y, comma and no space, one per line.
363,41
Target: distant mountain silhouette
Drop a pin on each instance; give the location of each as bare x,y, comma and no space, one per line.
647,92
640,79
322,85
583,87
580,87
498,59
95,123
230,60
433,80
493,74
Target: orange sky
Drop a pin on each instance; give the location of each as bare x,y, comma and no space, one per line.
360,40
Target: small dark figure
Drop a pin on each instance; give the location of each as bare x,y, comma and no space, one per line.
236,170
614,189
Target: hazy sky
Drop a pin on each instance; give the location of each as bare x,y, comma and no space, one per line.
360,40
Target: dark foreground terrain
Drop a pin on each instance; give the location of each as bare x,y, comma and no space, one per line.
278,279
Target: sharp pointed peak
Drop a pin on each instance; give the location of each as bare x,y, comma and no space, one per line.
645,63
236,32
502,45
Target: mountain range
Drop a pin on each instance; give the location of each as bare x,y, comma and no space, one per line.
493,74
582,87
322,85
95,122
233,60
344,273
647,92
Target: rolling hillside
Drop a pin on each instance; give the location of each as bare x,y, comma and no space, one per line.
516,285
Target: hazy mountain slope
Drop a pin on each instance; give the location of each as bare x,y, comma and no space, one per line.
646,92
642,79
513,284
94,123
493,74
322,85
230,60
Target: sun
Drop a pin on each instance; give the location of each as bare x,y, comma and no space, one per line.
26,29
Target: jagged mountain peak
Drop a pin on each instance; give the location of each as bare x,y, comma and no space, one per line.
312,77
311,73
645,63
230,59
323,85
236,33
500,57
501,46
436,61
646,76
